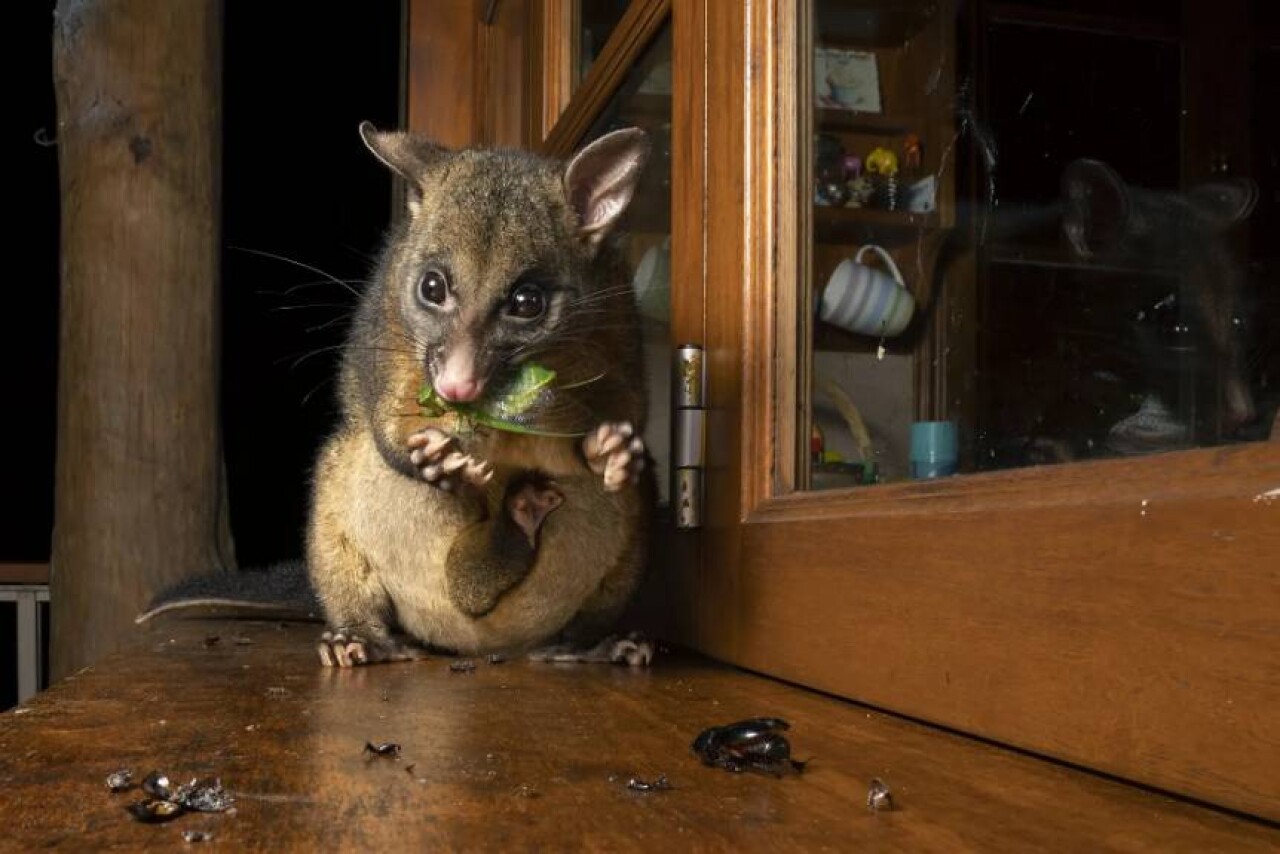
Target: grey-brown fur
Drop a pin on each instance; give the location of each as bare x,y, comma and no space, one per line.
381,541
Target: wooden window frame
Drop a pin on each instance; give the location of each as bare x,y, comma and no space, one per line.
1120,615
574,112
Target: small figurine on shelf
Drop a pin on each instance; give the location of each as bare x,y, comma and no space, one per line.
911,153
831,192
882,161
861,191
852,167
857,187
883,164
828,171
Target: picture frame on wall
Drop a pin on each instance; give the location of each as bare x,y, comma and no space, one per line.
847,80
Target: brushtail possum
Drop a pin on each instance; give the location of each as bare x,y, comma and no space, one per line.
1107,218
433,522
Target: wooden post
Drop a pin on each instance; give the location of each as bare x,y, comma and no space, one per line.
138,498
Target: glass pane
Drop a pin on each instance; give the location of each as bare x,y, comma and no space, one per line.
644,101
1033,240
595,22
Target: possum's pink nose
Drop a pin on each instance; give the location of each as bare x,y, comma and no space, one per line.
459,390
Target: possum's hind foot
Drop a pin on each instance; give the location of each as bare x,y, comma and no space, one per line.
615,452
631,650
441,464
340,649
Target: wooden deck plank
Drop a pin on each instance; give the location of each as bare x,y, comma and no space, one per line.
522,756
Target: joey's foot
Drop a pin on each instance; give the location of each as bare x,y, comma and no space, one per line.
614,451
631,650
435,454
531,503
340,649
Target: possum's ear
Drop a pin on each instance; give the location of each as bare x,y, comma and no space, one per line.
601,179
406,155
1096,206
1225,202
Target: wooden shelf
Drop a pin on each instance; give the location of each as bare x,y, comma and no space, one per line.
879,124
853,225
1061,258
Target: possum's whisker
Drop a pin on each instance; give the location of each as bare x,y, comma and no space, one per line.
581,383
320,327
306,398
289,291
319,351
305,305
287,260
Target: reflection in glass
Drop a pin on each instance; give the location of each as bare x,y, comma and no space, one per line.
1076,237
644,101
595,22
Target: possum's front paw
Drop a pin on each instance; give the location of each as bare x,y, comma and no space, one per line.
614,451
340,649
436,455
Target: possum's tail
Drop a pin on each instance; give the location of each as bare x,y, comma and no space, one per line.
282,590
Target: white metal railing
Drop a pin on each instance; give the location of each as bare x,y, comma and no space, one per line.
28,597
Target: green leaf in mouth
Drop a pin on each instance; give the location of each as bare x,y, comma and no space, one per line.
502,409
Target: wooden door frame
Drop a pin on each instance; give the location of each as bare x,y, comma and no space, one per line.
576,112
1110,614
1116,614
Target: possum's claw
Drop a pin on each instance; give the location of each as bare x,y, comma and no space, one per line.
441,464
338,649
614,451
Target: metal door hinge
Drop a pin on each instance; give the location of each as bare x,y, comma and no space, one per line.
689,422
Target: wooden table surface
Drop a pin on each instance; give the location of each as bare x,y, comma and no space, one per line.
528,756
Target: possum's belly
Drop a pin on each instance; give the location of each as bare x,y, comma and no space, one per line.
527,615
405,536
570,566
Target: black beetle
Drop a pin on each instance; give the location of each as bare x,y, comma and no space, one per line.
755,744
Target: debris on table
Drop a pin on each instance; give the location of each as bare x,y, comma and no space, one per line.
387,748
755,744
157,785
207,795
462,665
165,801
879,798
119,781
210,641
659,784
155,810
196,835
495,658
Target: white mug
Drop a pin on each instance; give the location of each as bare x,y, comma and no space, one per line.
866,300
652,281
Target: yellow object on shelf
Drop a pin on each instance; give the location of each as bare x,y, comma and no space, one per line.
882,161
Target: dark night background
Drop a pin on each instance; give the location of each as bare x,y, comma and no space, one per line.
297,182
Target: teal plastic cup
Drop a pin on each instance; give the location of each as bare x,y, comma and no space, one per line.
934,449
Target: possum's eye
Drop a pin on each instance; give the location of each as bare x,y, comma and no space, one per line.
433,288
527,302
